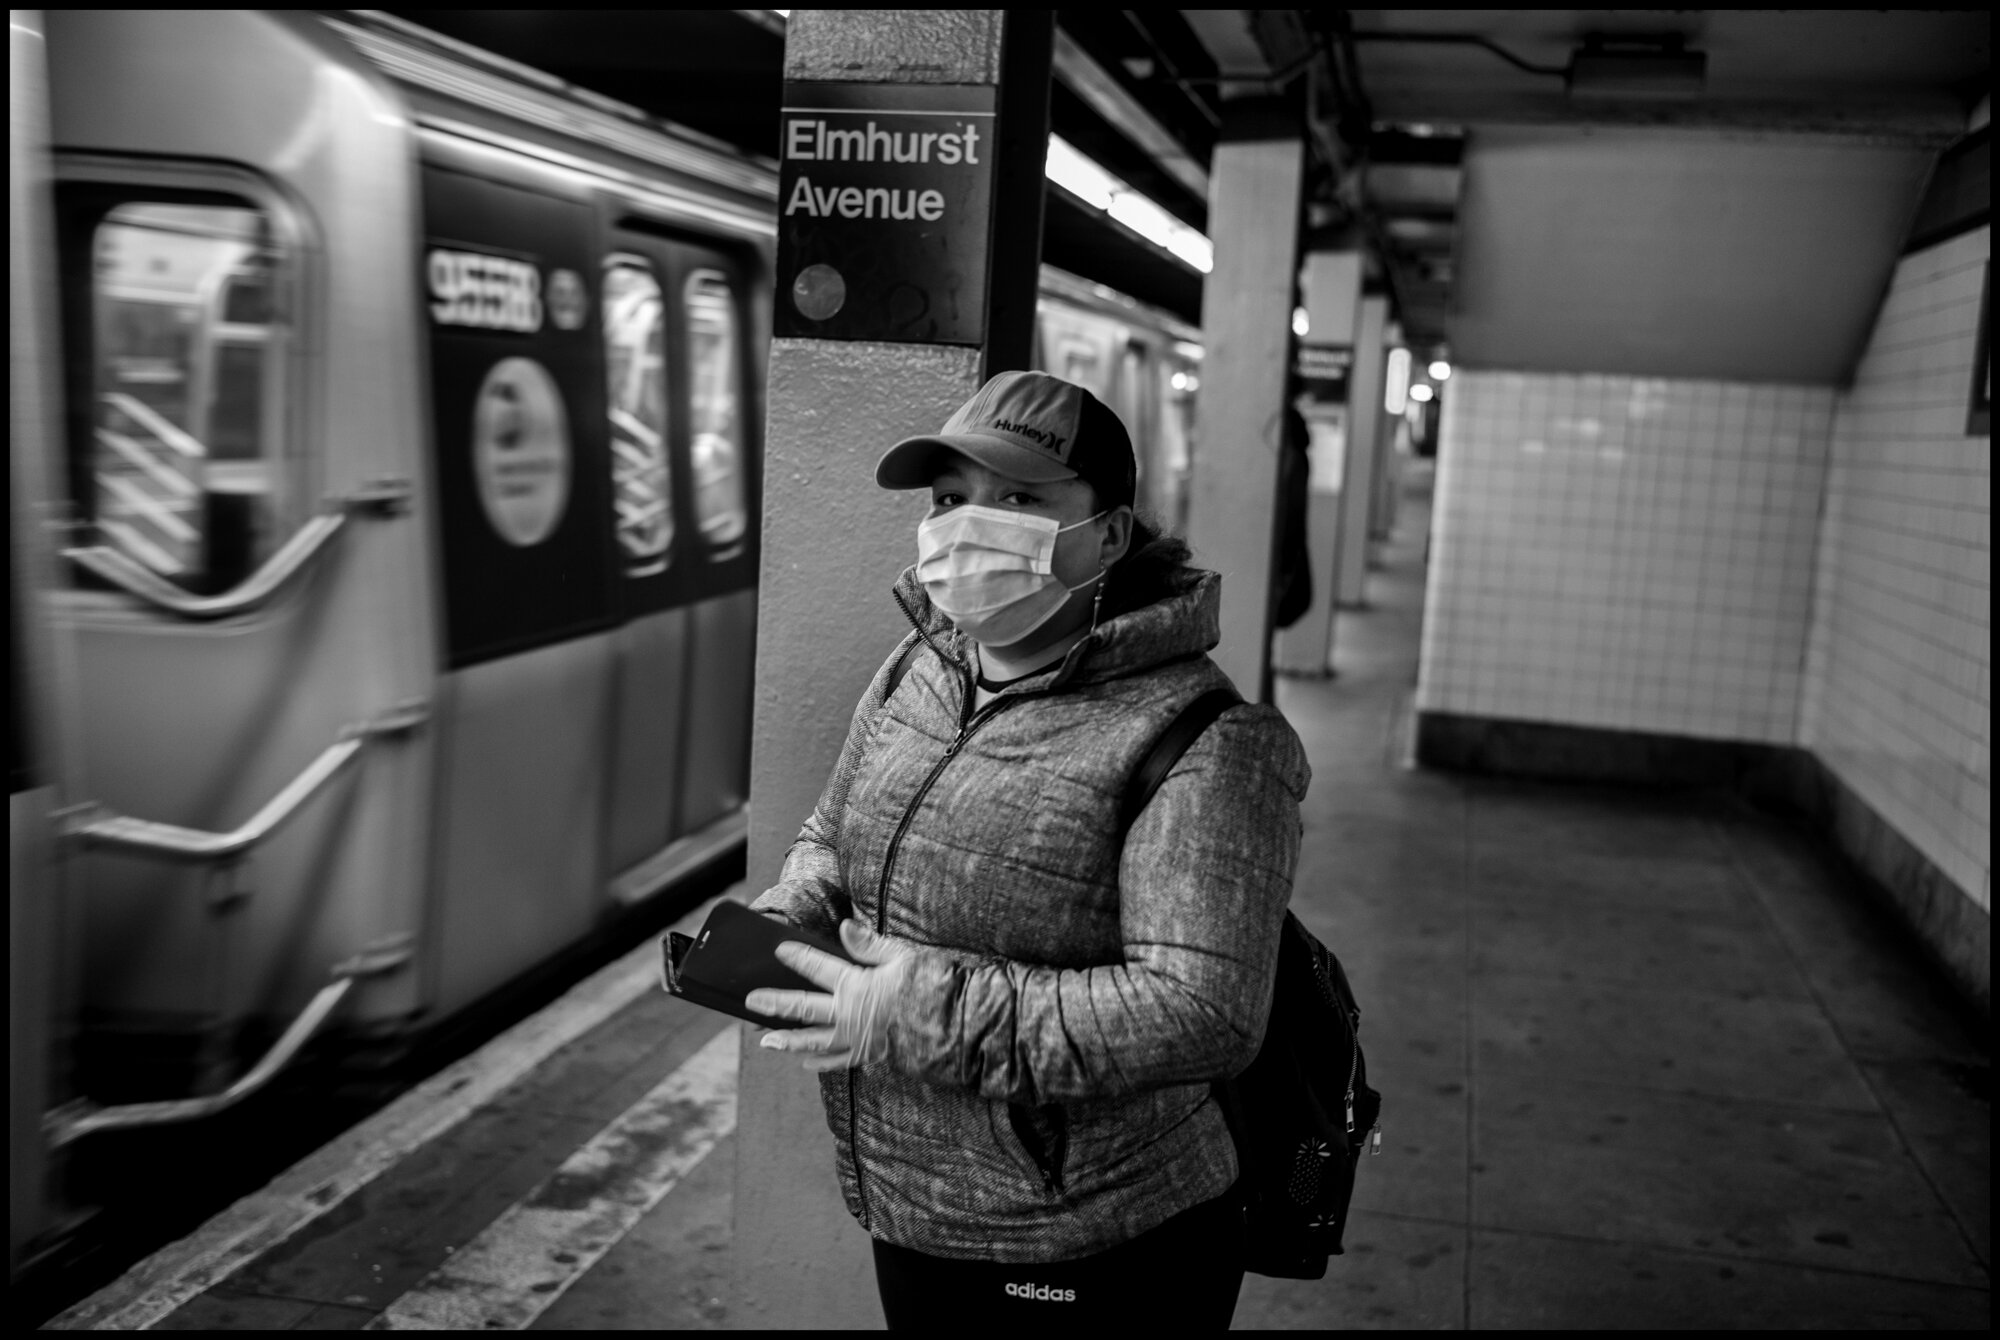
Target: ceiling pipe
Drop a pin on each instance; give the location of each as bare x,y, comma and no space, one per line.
1460,39
1165,62
1606,65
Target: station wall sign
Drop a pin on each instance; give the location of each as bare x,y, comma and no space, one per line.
885,207
1324,371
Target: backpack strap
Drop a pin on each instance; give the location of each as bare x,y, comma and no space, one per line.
1180,733
1174,741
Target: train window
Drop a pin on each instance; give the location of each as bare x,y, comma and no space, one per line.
185,421
635,353
717,417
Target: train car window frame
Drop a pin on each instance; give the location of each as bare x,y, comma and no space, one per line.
678,254
90,190
628,431
735,541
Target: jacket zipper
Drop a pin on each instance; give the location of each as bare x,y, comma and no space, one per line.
1374,1132
968,721
1353,1068
966,726
1048,1159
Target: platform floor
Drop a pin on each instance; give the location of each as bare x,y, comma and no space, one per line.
1647,1060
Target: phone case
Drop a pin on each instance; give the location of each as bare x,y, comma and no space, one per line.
733,954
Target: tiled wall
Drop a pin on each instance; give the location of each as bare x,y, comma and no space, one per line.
1625,552
1782,564
1900,683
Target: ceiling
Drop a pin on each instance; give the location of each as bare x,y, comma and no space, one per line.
1396,102
1410,90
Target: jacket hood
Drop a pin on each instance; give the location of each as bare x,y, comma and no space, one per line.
1183,624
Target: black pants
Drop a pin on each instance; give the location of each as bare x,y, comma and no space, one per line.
1183,1275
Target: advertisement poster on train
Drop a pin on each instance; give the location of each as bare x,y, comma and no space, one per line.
885,195
522,484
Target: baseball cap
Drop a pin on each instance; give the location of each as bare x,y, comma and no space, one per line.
1028,426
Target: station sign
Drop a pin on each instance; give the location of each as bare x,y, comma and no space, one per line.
885,208
1324,371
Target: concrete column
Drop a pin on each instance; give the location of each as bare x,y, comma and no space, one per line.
1246,316
1382,507
1363,434
1331,285
833,545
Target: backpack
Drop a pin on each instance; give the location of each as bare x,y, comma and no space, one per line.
1302,1111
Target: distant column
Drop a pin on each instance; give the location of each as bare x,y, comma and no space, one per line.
1255,181
1332,284
834,543
1364,431
1394,446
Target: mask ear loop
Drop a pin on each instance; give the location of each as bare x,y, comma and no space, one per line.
1097,601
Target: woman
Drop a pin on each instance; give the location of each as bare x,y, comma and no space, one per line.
1017,1074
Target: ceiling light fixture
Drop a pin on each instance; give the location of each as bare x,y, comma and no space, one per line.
1097,188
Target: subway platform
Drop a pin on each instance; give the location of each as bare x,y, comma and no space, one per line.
1647,1058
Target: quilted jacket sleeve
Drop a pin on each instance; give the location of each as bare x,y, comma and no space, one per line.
1206,875
810,892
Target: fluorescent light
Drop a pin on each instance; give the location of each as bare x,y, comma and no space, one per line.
1143,217
1440,371
1301,322
1092,184
1420,393
1079,176
1193,248
1396,385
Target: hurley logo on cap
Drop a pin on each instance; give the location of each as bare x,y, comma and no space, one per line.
1049,440
1031,407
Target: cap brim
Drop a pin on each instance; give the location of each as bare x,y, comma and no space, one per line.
914,462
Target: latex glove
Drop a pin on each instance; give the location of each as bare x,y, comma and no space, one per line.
848,1023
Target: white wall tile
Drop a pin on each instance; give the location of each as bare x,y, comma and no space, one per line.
1638,558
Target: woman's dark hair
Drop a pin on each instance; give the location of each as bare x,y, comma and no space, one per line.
1150,571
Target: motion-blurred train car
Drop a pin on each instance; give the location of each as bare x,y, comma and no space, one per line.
411,463
408,466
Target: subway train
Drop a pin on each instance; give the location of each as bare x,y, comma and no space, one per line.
386,541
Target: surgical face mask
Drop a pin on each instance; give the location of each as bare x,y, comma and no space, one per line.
992,571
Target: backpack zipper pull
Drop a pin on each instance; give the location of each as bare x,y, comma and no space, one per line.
1375,1141
1350,1114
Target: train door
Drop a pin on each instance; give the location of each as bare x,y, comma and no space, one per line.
524,497
690,560
648,493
